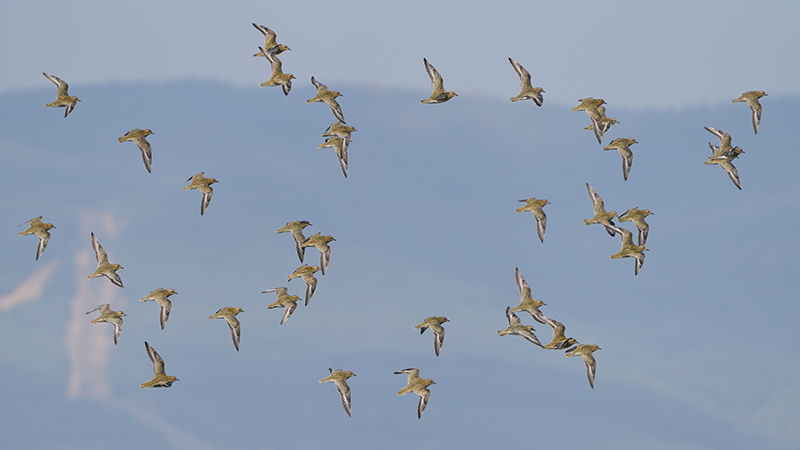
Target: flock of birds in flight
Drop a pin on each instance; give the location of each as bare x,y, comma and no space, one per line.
338,137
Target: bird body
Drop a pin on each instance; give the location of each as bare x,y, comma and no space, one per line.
229,314
527,302
637,216
104,268
284,301
39,229
160,378
320,242
161,297
270,42
328,97
277,78
535,206
526,91
306,272
296,228
435,324
724,155
515,327
338,144
110,316
600,215
630,250
63,99
418,386
751,97
439,95
559,341
622,145
202,184
592,107
586,350
339,378
138,136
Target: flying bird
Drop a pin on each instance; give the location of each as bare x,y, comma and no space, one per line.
202,184
160,379
515,327
418,386
637,216
40,230
229,314
591,106
63,99
104,268
138,136
527,302
161,297
110,316
306,272
284,301
328,97
439,95
622,145
559,341
600,214
535,206
724,155
586,350
630,250
526,91
339,378
751,97
270,42
277,78
435,324
320,242
296,228
338,144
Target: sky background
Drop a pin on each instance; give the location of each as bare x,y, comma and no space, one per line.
694,349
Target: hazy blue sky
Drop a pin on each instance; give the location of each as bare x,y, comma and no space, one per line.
632,53
698,350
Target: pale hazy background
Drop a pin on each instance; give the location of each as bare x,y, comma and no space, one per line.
698,350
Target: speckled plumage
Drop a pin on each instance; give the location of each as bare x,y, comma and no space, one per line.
724,155
284,300
270,42
320,242
630,250
202,184
622,145
526,91
637,216
160,378
296,228
591,106
161,297
338,145
328,97
277,78
306,272
435,324
438,94
600,215
138,135
559,341
40,230
527,302
63,99
110,316
229,314
515,327
418,386
751,97
104,268
586,350
535,206
339,378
